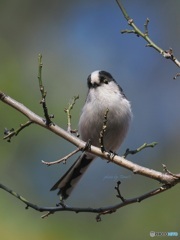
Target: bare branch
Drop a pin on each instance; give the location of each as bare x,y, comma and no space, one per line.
68,111
11,133
146,27
168,54
118,192
166,178
145,145
43,93
64,159
135,168
101,211
102,132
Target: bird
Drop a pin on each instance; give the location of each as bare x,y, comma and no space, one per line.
103,93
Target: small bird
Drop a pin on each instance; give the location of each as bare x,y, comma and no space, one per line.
103,93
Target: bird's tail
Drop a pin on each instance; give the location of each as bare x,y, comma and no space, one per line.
69,180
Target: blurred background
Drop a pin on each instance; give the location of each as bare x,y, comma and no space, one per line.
76,38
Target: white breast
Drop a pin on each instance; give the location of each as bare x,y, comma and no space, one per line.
119,116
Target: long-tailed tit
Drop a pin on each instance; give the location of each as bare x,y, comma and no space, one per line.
104,93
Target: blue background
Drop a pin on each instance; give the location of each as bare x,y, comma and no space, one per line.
76,38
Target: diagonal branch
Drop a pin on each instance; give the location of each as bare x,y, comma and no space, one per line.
135,168
139,149
10,133
168,54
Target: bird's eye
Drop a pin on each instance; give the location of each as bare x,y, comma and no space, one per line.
105,81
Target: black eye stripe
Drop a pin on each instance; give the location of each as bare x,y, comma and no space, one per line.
103,80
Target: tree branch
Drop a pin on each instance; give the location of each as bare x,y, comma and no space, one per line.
68,111
64,159
135,168
100,211
139,149
43,93
10,133
168,54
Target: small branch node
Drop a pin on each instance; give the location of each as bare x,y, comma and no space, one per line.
168,54
109,211
87,146
135,171
148,45
98,217
176,176
177,75
46,214
127,31
130,21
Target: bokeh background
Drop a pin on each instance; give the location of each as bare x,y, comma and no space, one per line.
76,38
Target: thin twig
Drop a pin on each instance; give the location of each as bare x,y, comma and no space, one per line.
170,173
68,111
102,132
43,93
146,27
64,159
168,54
119,195
10,133
145,145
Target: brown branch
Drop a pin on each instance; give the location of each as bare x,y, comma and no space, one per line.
64,159
135,168
168,179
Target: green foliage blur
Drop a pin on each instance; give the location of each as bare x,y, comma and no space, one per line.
76,38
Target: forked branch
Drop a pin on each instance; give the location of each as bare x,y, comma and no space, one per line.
100,211
168,54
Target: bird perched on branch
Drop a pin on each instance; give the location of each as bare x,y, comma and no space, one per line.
103,93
